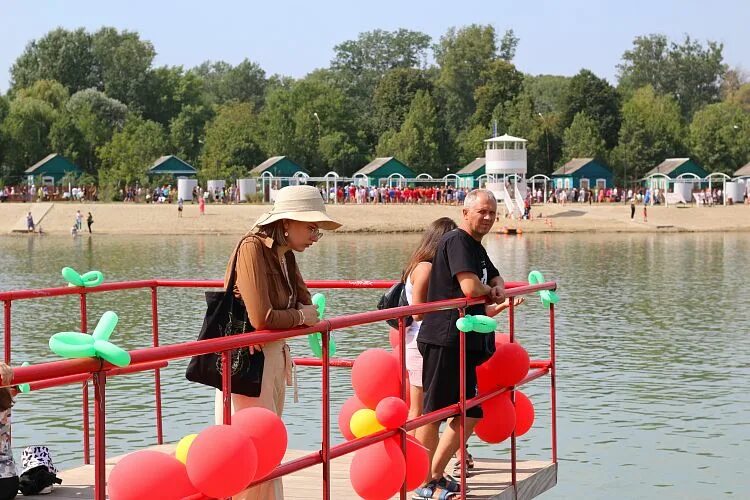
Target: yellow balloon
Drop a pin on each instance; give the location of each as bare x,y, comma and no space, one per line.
183,446
364,423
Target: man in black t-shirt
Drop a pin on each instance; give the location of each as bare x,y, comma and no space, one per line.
461,268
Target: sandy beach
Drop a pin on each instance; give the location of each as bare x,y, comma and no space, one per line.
121,218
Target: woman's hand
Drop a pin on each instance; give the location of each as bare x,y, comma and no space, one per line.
6,373
309,315
495,309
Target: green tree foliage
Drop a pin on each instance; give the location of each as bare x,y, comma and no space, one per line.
598,99
508,46
49,91
651,131
131,152
416,144
223,82
548,92
187,130
4,106
689,72
720,137
232,141
501,82
470,144
543,131
67,139
741,97
583,140
393,96
166,91
61,55
26,132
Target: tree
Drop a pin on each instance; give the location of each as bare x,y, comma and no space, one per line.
4,106
688,72
548,92
598,99
232,142
720,137
187,130
393,96
124,61
741,97
67,139
583,140
471,144
651,131
166,91
508,46
49,91
26,132
131,152
61,55
501,83
416,144
542,131
223,82
97,117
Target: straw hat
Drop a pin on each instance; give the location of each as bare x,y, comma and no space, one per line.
300,203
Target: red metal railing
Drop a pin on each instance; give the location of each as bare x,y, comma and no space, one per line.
51,374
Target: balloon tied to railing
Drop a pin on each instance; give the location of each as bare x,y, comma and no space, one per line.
83,345
315,340
89,279
24,388
548,296
477,323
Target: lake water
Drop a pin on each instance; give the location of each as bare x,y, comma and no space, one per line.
653,349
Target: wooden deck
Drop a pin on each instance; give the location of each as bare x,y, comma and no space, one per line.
490,479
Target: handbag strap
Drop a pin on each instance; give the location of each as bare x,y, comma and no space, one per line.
233,269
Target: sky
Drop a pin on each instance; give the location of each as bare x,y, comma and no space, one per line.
293,37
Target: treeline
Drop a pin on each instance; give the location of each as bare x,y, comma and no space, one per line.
98,99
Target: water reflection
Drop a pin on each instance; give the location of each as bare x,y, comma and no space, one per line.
652,347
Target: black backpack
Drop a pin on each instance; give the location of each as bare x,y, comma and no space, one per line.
395,297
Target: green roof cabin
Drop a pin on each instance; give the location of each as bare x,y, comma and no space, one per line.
583,173
743,172
674,167
171,165
383,168
278,166
469,175
52,168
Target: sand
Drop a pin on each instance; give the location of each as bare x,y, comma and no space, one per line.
124,218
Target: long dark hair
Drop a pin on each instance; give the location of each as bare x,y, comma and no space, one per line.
6,399
425,251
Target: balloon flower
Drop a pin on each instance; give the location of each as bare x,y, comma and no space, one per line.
89,279
478,323
83,345
548,296
315,340
24,388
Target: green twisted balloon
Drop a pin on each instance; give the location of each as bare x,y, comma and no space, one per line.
89,279
548,296
315,340
478,323
82,345
24,388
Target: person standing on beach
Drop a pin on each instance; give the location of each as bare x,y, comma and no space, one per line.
79,220
30,223
89,221
645,212
179,208
202,205
632,208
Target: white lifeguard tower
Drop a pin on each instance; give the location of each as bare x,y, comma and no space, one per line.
506,171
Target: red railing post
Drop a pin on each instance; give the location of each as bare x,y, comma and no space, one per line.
100,456
553,384
226,386
325,450
157,372
6,330
462,404
513,463
404,387
85,390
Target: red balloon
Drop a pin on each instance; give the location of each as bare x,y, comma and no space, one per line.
375,375
149,474
378,471
524,414
394,338
417,462
268,433
501,338
345,416
221,461
508,366
498,421
392,412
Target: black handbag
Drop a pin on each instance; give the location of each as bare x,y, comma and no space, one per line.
226,315
395,296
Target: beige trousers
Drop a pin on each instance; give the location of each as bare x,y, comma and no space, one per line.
277,371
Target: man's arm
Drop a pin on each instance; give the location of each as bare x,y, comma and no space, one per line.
471,286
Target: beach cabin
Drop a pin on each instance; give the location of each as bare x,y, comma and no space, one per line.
277,166
468,177
384,168
743,172
739,188
52,168
171,165
583,173
670,170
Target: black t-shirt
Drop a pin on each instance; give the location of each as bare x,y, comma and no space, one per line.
457,252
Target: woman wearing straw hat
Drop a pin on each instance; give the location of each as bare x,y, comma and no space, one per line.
275,296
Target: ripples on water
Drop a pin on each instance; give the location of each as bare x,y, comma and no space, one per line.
653,349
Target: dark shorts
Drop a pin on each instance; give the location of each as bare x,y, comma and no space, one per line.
440,377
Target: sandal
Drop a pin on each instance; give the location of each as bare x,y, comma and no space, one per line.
427,491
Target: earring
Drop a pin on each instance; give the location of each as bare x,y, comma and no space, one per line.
286,233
